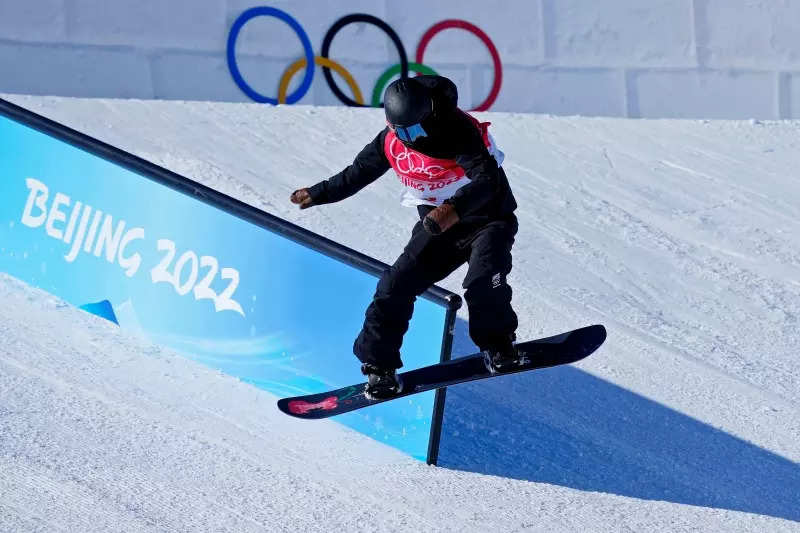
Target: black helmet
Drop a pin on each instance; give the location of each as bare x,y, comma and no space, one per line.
407,102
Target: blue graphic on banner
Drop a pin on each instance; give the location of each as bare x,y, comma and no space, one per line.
102,309
192,277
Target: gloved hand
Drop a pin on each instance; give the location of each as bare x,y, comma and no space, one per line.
440,219
302,198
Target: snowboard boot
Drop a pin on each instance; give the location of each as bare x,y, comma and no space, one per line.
503,358
381,382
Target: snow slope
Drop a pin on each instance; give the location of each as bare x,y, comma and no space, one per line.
682,237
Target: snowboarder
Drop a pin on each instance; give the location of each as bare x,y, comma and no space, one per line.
451,171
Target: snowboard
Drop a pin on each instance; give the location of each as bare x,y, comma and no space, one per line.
562,349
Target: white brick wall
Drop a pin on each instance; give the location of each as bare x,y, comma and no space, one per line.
562,91
176,75
638,58
753,34
40,21
691,93
641,33
81,71
184,24
793,96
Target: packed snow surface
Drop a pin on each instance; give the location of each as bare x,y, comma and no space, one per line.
682,237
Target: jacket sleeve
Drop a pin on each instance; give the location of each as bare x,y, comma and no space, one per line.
484,175
369,165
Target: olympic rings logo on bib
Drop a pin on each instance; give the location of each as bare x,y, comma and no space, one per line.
408,162
311,61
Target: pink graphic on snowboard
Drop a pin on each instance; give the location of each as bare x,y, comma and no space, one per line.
301,407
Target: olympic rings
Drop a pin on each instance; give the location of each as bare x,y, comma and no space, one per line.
384,78
369,19
298,29
464,25
323,62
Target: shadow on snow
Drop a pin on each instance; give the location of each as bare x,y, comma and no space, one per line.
566,427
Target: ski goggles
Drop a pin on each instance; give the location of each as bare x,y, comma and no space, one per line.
409,133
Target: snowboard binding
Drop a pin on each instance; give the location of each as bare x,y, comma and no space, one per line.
499,361
382,383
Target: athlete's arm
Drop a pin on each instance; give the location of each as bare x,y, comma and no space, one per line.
484,175
369,165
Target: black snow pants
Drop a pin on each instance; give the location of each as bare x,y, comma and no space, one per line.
426,260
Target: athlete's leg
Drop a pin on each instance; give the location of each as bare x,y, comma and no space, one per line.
492,320
425,261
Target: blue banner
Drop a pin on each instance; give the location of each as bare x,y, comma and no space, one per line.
190,276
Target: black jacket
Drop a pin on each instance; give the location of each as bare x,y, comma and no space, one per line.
451,135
